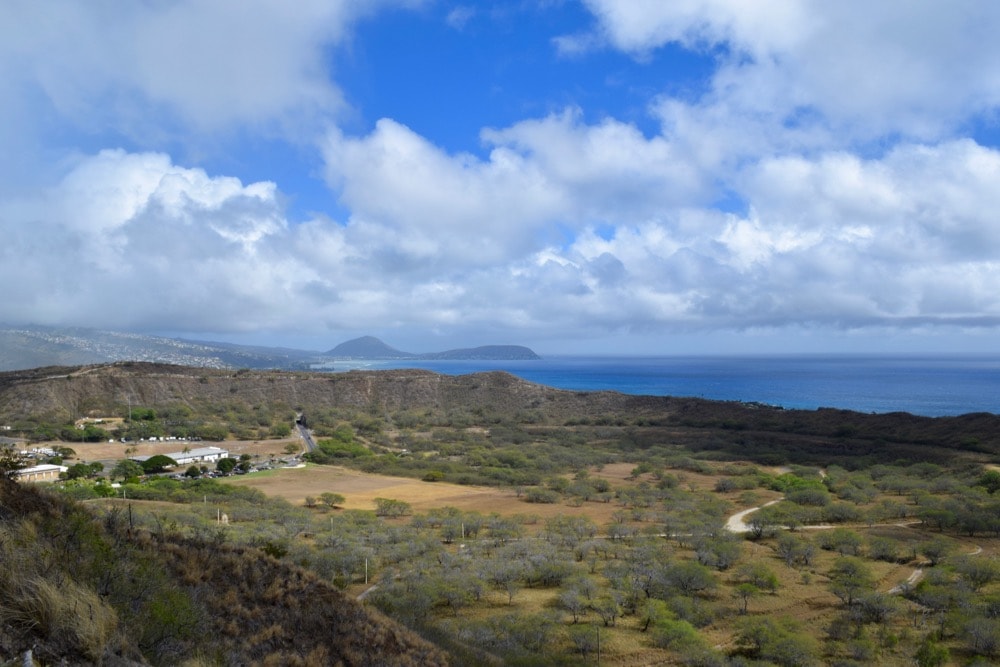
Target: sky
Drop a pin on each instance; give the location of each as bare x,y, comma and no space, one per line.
577,176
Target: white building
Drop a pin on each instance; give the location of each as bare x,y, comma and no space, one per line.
199,455
41,473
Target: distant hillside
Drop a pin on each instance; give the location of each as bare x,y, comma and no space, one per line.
27,347
747,430
369,347
37,346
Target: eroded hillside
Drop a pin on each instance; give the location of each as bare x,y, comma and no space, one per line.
88,588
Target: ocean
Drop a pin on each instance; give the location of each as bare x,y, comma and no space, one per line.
931,386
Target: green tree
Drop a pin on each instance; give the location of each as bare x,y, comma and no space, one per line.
10,462
84,470
937,549
780,641
281,430
390,507
977,572
743,593
795,550
157,463
331,500
850,577
760,575
932,654
573,602
226,465
990,480
842,540
126,469
608,609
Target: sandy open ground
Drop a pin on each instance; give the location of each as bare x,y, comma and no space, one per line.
361,489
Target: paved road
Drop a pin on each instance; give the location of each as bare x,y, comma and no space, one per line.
307,436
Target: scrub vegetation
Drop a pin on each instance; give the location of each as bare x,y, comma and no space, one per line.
511,524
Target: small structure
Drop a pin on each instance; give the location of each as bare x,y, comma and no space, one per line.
199,455
46,472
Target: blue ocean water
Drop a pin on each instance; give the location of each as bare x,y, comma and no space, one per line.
929,386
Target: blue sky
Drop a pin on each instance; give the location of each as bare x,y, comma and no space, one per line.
624,176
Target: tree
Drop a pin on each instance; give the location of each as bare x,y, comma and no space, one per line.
390,507
842,540
84,470
977,572
10,462
245,463
584,638
795,550
608,609
743,592
331,500
937,549
883,548
720,552
192,471
676,635
982,636
281,430
875,607
573,602
690,578
157,463
849,578
932,654
763,522
126,469
760,575
990,480
776,640
225,465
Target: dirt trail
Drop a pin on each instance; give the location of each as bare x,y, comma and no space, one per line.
736,523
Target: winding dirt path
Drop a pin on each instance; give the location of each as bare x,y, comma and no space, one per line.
737,524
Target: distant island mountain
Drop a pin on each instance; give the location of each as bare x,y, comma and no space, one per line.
371,348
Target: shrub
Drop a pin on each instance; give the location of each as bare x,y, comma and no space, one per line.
55,611
540,495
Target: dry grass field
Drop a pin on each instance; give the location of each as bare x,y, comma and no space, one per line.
361,490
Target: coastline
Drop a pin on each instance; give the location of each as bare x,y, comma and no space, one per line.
930,385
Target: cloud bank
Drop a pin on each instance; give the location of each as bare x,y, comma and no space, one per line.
836,176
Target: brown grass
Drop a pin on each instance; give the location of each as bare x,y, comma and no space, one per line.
361,489
65,610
